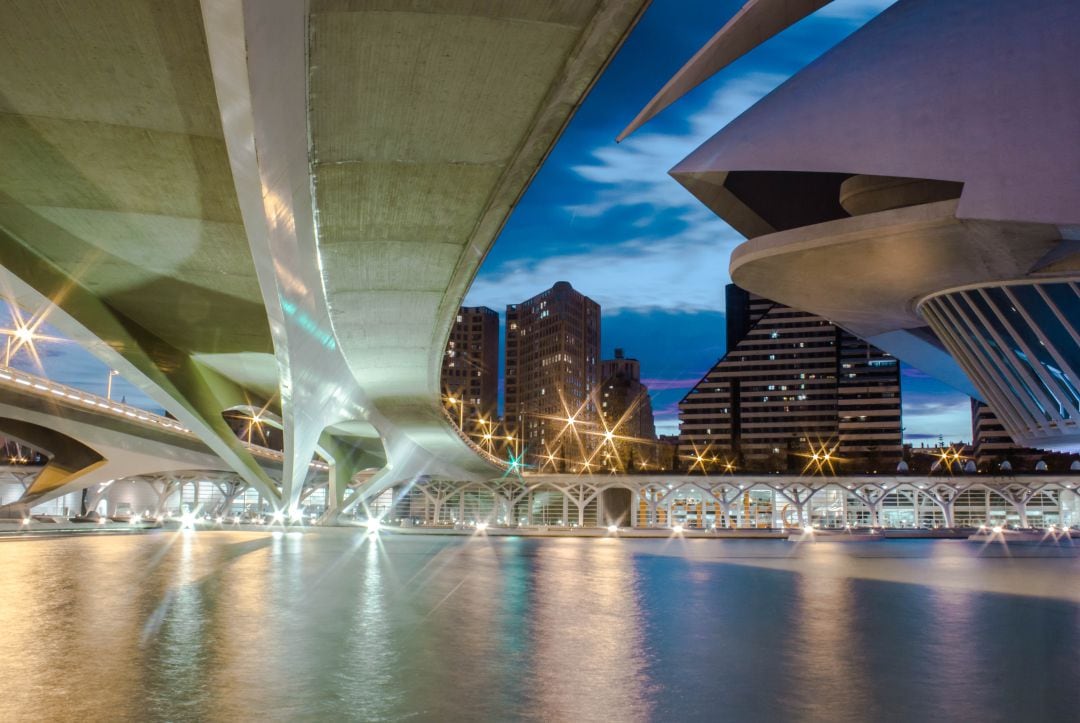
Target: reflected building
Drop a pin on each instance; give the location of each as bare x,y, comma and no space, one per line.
790,382
470,368
552,367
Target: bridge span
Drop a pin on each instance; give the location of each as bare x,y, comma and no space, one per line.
91,441
282,204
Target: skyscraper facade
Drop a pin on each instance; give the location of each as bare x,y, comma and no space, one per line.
470,369
937,220
791,383
552,367
626,410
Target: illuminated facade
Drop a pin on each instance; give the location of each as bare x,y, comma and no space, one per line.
917,185
279,205
992,446
470,369
626,409
552,368
747,502
789,383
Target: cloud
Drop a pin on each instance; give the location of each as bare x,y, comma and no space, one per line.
669,275
665,384
679,247
668,411
634,173
926,405
928,415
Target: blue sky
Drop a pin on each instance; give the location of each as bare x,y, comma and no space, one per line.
610,220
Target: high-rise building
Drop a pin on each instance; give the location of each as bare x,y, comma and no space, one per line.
627,413
790,383
956,251
552,367
470,369
992,446
989,440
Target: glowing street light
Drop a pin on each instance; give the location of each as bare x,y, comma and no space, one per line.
23,335
460,404
108,386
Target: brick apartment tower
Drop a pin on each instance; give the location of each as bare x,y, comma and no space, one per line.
552,367
470,369
627,410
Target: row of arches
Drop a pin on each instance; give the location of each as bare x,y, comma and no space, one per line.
696,505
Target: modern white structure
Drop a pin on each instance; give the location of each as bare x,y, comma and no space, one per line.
918,186
93,441
744,501
280,205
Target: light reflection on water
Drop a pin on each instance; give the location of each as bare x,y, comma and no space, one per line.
339,625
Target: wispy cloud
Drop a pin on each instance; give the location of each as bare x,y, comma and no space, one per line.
668,411
633,275
924,405
679,247
634,173
928,415
665,384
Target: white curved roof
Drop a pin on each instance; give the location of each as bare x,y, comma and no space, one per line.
979,92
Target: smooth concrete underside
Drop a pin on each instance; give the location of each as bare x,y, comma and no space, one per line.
115,168
880,265
981,95
427,124
126,194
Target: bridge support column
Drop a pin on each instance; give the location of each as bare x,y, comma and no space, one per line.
797,495
345,461
69,462
230,491
168,487
1019,496
944,496
871,496
1021,510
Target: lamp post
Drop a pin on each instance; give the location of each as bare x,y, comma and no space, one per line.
108,386
23,335
460,403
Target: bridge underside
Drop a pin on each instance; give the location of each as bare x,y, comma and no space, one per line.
281,205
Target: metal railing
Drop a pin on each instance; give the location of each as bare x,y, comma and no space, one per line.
33,384
480,451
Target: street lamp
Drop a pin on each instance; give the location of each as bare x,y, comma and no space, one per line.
22,336
452,400
108,386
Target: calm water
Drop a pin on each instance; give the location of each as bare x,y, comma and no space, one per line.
331,625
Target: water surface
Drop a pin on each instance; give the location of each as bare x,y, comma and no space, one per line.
337,625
